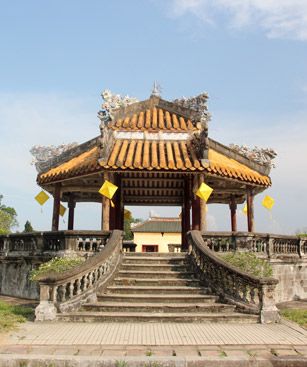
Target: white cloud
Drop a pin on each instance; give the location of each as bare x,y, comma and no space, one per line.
278,18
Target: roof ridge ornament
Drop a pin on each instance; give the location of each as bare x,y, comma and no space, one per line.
196,103
43,154
156,89
112,102
262,156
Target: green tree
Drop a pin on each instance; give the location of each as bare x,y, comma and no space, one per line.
28,227
128,220
7,218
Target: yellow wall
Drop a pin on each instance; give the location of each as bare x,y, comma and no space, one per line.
143,238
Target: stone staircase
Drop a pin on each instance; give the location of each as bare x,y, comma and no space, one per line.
156,287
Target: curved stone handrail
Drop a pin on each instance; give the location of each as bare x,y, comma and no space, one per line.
62,292
247,292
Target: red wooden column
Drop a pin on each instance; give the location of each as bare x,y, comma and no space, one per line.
56,207
233,214
186,212
196,213
113,209
250,210
202,209
119,204
105,213
182,226
71,211
195,205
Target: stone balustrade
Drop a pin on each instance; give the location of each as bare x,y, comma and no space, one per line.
174,247
264,244
62,292
250,294
60,241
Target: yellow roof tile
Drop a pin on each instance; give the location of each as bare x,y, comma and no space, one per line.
153,119
147,154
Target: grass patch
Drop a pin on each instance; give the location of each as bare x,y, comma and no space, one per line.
296,315
249,263
11,315
58,265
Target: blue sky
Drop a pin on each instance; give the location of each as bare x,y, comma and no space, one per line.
251,57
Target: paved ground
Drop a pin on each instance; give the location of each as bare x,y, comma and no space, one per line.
154,345
158,334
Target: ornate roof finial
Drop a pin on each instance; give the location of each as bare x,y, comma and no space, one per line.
112,102
156,90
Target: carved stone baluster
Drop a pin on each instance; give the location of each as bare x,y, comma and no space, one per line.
71,290
270,246
252,295
53,294
61,293
300,247
78,286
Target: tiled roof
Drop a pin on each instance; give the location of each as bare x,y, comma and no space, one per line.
225,166
146,154
84,163
153,155
154,119
165,225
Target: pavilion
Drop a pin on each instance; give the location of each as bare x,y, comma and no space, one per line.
158,153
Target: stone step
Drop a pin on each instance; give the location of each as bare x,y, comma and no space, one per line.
156,281
157,307
156,254
157,298
229,317
130,289
154,260
154,274
153,267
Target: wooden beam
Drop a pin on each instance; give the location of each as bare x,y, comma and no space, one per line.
56,207
155,180
168,191
79,188
153,197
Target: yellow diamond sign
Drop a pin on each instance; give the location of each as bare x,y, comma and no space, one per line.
62,210
268,202
108,189
244,210
41,198
204,191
